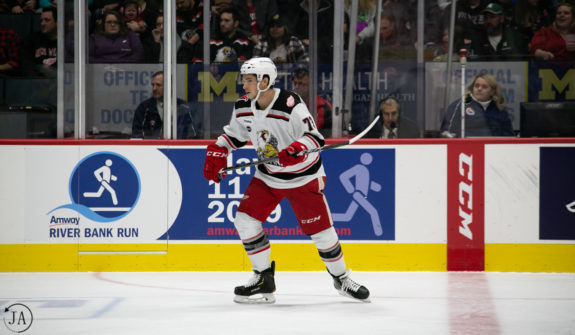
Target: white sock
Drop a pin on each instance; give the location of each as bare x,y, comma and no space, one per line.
255,241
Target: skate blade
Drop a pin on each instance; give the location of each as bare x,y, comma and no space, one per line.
366,300
257,299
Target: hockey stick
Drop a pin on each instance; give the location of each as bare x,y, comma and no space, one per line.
325,147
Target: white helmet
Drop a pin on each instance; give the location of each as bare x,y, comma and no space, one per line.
260,66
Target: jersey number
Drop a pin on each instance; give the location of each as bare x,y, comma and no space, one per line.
310,123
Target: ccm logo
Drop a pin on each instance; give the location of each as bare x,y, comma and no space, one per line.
465,194
312,220
217,154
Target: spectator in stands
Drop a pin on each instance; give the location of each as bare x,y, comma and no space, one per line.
115,43
557,41
485,112
216,8
366,11
104,6
391,123
98,8
154,46
468,20
439,52
229,45
254,15
299,24
399,10
149,12
532,15
39,52
300,81
508,7
131,12
9,51
392,44
18,6
279,44
433,29
497,41
189,22
148,118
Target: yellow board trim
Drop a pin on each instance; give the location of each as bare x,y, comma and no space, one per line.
530,257
288,256
214,257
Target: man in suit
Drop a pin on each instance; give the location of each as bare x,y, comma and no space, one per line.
392,124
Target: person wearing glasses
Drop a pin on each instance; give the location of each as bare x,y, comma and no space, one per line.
392,124
114,42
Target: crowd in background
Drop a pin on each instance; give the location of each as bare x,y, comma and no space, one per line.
131,31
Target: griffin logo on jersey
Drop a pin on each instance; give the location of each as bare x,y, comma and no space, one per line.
267,144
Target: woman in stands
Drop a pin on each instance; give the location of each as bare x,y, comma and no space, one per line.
115,43
557,41
485,112
532,15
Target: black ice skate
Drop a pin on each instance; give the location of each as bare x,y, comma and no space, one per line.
348,288
259,289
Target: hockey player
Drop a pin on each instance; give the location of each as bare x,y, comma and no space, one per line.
278,123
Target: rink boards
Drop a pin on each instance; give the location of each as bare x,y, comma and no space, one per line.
414,205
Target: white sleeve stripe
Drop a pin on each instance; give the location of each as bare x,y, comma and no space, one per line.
313,141
229,142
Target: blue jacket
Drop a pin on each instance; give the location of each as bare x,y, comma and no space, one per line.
148,124
479,122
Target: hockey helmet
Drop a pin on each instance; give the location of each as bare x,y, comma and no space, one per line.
260,66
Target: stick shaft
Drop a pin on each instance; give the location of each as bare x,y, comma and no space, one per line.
275,158
310,151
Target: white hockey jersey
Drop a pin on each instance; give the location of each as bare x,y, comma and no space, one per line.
283,122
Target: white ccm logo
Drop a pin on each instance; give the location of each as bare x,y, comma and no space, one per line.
217,154
466,188
312,220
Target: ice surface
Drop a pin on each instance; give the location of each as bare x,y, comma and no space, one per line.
201,303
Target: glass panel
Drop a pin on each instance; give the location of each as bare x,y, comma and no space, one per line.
69,87
189,27
28,71
120,67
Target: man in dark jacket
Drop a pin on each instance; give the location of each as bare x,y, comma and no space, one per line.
497,41
39,52
148,118
230,45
